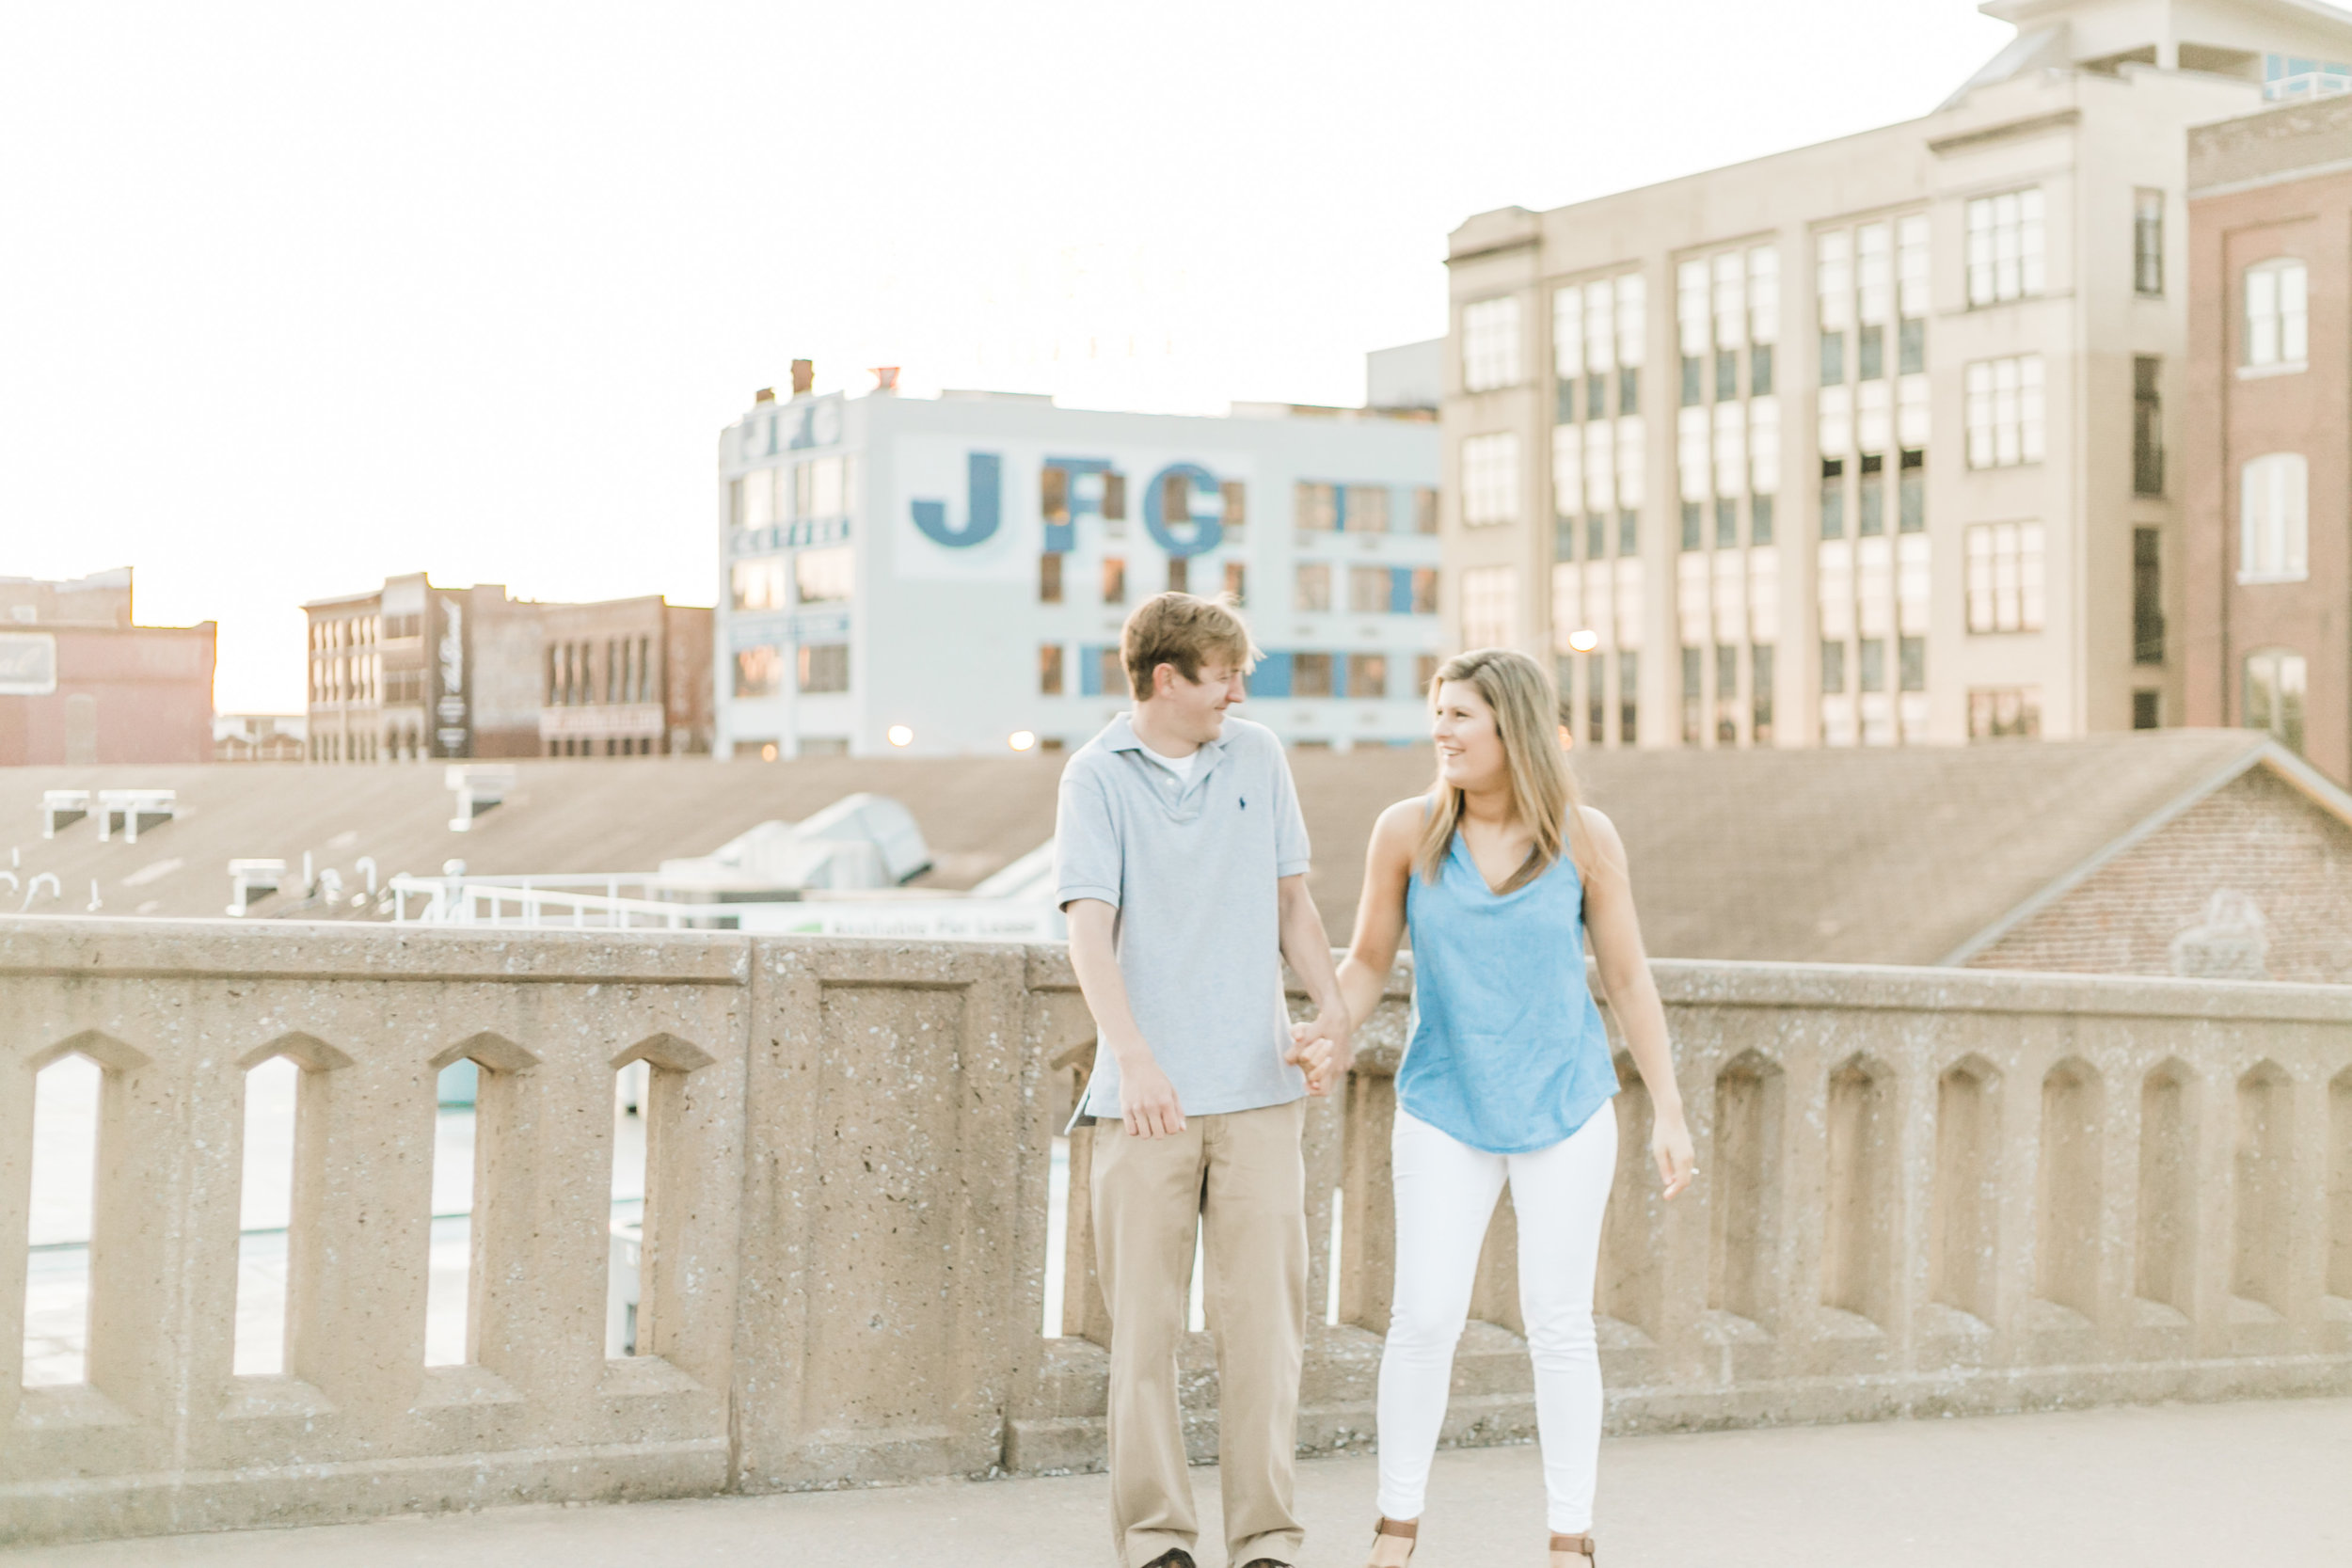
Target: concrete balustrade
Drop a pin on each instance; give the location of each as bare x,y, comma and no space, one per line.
1921,1191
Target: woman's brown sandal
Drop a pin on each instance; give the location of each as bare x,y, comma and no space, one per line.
1407,1530
1582,1543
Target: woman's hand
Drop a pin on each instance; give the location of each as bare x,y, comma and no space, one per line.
1319,1048
1669,1145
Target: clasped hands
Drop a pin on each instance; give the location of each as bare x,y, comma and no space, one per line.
1321,1048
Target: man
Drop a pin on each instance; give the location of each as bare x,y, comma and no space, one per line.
1182,865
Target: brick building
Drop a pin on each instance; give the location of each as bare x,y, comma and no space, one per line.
2267,462
82,683
414,670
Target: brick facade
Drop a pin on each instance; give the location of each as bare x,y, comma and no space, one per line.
2259,836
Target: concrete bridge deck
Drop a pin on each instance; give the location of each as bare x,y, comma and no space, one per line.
2225,1485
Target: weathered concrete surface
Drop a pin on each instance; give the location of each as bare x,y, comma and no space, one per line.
1924,1193
2222,1484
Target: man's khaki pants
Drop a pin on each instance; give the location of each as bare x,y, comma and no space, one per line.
1240,1177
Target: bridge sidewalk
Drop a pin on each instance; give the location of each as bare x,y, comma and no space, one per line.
2268,1483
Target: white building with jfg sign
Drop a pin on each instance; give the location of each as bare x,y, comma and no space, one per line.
939,577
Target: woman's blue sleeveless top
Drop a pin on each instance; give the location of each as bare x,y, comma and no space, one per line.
1507,1052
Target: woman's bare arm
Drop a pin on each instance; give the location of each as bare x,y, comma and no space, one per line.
1632,996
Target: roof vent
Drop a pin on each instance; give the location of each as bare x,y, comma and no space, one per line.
479,790
62,808
134,809
766,394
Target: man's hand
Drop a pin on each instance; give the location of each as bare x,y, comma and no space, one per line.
1146,1101
1320,1047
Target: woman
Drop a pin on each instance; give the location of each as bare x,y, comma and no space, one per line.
1500,872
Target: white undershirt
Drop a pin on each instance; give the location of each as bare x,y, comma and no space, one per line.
1181,766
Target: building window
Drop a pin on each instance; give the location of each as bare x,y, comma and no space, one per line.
1313,594
1760,370
1833,666
1490,344
2146,596
758,671
1912,655
1832,358
1726,522
1235,495
2274,522
1760,520
1726,694
1691,380
1871,516
2148,243
1424,672
824,667
1424,509
1424,591
1912,500
1833,498
2147,427
2275,683
2004,412
1366,509
1760,685
1691,696
1318,508
756,584
1489,607
825,576
1236,581
1049,578
2286,78
1693,523
2005,712
1367,676
1490,480
2277,316
1310,675
1870,354
2005,577
1114,580
2004,246
1049,677
1873,663
1369,591
1629,698
2147,710
1912,347
1178,574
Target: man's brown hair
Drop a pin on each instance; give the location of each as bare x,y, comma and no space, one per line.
1183,630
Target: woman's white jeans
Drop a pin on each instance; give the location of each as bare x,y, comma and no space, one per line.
1445,1195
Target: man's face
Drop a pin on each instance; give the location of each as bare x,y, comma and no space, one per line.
1198,706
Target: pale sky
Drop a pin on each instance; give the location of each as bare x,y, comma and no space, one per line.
301,295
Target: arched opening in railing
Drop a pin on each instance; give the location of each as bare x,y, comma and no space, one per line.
1632,1230
1743,1188
649,1108
2264,1182
62,1219
2068,1197
2164,1234
281,1173
1858,1217
1963,1198
466,1145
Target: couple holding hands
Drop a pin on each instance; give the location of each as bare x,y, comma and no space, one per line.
1182,861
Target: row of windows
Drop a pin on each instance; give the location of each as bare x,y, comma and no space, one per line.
826,575
1726,709
1586,689
816,488
1869,510
584,674
1362,509
1051,580
1371,590
818,668
1870,665
1363,677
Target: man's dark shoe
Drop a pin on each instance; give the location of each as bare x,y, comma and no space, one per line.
1175,1557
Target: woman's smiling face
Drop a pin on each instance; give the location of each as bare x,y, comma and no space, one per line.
1469,747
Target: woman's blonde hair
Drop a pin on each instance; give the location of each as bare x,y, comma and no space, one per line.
1544,795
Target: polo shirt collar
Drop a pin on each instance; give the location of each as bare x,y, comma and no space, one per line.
1121,737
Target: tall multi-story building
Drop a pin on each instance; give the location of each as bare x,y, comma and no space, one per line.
81,682
1862,443
2267,458
414,670
949,576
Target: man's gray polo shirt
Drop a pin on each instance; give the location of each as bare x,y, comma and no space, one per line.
1191,869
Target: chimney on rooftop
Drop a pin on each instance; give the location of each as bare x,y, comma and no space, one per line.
766,394
885,378
803,377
